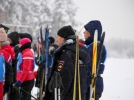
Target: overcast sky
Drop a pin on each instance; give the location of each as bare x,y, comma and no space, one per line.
116,16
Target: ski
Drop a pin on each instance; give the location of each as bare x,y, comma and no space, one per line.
94,62
42,57
100,51
97,51
47,44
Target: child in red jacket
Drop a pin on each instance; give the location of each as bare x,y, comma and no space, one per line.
25,68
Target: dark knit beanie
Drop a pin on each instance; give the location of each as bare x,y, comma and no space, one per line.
66,31
92,26
25,35
52,40
14,36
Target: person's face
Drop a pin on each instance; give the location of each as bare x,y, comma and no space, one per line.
60,40
86,34
10,40
19,45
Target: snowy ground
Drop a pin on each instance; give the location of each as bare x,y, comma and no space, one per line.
118,80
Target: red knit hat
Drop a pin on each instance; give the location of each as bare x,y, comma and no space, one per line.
24,41
3,35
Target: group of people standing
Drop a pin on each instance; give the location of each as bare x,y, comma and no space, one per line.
65,62
17,63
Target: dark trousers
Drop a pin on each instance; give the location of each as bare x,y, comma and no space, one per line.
27,86
12,93
83,96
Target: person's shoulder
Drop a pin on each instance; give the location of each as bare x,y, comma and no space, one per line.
27,53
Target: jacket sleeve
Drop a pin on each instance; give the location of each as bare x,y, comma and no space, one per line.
8,73
65,67
26,64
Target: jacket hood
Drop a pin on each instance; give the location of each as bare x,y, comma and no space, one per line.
92,26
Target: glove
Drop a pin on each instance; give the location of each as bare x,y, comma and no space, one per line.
17,86
98,95
40,63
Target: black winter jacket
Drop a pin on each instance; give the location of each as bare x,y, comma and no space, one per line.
64,65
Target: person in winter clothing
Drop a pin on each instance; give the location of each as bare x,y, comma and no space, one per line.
9,55
89,36
64,62
41,64
25,68
3,37
52,48
13,38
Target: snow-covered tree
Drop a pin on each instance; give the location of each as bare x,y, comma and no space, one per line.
32,14
120,48
63,14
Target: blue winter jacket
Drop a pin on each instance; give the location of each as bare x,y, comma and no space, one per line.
2,68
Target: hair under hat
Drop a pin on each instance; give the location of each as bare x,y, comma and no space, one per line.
66,31
24,41
3,35
92,26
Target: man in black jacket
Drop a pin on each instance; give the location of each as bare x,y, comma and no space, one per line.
65,62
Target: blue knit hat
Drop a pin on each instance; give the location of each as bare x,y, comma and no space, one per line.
92,26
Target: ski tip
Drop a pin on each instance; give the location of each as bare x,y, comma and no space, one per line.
96,32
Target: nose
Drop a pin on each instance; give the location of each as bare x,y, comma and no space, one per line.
57,40
84,32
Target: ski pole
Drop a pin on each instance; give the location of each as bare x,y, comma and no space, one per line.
28,93
77,70
58,93
75,74
55,87
59,86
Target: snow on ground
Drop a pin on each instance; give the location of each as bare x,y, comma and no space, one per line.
118,80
